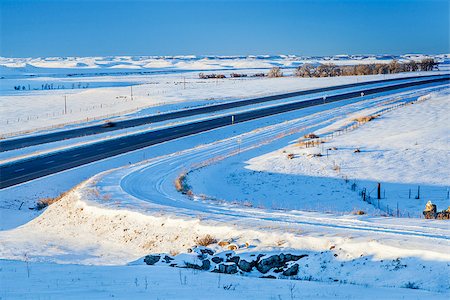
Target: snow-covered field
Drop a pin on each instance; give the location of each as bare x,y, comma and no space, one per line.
244,189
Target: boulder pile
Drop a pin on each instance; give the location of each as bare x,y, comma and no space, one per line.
431,212
228,262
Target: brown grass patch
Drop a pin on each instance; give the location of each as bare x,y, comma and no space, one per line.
223,243
365,119
206,240
182,186
359,212
311,136
44,202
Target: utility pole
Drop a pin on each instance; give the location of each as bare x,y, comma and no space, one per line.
131,91
184,82
65,104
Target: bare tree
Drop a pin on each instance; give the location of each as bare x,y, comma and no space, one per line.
394,66
427,64
306,70
275,72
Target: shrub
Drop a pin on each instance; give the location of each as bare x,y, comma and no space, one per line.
359,212
236,75
427,64
364,119
210,76
206,240
275,72
259,75
306,70
394,67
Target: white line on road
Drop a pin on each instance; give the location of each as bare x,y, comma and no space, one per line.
49,162
18,170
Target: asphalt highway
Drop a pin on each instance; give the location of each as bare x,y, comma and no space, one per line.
17,143
29,169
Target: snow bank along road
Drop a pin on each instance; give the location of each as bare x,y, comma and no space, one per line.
17,143
22,171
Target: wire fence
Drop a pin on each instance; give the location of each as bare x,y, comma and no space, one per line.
365,194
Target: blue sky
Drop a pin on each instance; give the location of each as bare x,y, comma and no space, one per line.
99,28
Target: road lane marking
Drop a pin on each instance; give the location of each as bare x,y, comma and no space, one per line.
18,170
75,155
49,162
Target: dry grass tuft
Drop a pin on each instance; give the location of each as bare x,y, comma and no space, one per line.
311,136
359,212
182,186
336,168
365,119
206,240
44,202
223,243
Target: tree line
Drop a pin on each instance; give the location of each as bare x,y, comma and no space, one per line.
331,70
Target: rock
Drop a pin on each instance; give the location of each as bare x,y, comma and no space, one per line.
444,215
430,211
151,259
232,247
228,253
226,268
207,251
202,256
278,270
291,271
234,259
268,276
266,264
217,259
259,256
245,265
167,259
223,243
206,264
276,261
